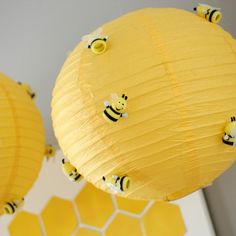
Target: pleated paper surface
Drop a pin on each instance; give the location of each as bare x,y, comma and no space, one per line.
179,72
22,141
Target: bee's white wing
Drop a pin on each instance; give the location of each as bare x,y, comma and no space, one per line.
106,103
114,96
85,37
205,5
90,37
115,189
125,115
114,177
98,31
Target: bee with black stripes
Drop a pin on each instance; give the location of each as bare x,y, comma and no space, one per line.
212,14
114,111
50,151
229,137
28,90
96,41
120,184
70,171
11,207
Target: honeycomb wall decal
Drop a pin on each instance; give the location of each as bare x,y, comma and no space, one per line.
93,212
59,217
24,223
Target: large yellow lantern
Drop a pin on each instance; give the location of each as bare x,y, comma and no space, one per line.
22,143
175,76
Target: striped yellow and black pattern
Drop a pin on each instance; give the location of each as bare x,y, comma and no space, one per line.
111,114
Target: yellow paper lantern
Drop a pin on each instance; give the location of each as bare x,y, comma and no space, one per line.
179,73
22,141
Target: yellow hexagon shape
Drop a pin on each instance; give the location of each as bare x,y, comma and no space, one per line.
164,219
123,225
87,232
23,223
59,217
94,205
133,206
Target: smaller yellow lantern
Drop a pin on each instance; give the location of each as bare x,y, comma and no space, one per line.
22,143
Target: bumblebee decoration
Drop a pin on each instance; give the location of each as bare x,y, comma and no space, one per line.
27,88
11,207
118,184
70,171
212,14
115,110
229,137
96,41
50,151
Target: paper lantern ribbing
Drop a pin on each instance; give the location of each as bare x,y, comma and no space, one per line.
22,142
179,73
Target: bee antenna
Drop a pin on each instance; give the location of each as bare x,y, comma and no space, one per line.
103,178
126,97
63,161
